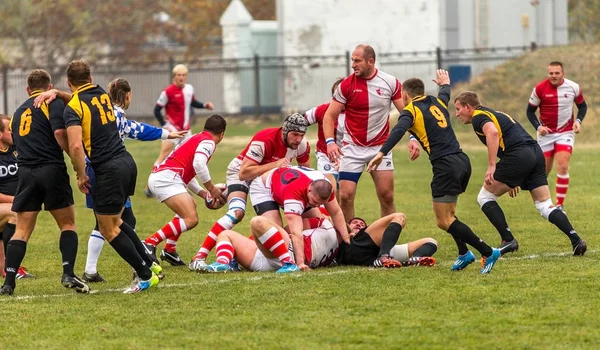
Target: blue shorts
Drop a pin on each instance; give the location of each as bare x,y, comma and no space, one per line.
89,201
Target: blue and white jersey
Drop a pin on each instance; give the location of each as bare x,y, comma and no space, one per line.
135,130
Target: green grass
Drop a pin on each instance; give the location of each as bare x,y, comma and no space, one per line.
535,298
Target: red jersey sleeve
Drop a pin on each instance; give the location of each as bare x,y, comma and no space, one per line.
397,91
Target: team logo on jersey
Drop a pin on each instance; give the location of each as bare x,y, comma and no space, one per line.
8,170
15,154
566,95
206,150
388,163
254,153
327,167
378,91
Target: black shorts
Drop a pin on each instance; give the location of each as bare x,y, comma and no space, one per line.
361,251
451,175
115,182
47,184
524,166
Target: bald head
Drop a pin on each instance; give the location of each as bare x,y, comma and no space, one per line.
321,188
367,50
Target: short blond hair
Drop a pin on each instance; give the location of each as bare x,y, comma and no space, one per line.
180,69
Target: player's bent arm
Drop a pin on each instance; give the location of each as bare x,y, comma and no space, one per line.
331,115
339,222
399,104
532,117
581,111
295,224
158,114
492,141
249,170
76,149
61,138
405,121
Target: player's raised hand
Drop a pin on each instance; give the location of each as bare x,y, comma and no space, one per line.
442,77
374,163
413,149
46,96
177,134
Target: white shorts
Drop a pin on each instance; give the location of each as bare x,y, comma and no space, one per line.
232,176
259,192
320,245
551,143
262,263
166,184
324,165
171,128
400,252
356,158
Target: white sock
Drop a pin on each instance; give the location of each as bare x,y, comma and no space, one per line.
95,244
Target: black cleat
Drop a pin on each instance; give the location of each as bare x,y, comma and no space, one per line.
92,277
75,283
151,250
7,290
580,248
508,246
172,258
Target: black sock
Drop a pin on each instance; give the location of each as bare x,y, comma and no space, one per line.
15,253
464,233
560,220
9,231
427,249
139,246
390,238
128,217
68,248
496,216
462,247
124,247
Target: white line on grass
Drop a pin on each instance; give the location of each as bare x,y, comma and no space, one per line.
251,279
171,285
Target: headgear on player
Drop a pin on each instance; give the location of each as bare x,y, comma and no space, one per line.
294,122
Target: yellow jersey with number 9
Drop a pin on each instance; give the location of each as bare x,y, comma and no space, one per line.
91,108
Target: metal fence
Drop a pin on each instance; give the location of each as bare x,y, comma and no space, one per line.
264,85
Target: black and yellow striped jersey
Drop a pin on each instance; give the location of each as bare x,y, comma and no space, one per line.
33,132
428,120
510,132
91,108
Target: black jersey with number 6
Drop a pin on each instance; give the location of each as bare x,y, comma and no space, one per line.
33,132
91,108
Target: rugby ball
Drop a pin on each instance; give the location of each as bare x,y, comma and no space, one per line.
210,203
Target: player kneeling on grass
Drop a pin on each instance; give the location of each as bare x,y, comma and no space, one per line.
170,180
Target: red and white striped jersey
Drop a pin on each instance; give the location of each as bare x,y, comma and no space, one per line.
177,103
556,103
368,105
181,160
315,116
320,243
268,146
289,187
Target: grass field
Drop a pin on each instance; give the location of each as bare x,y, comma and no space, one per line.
539,297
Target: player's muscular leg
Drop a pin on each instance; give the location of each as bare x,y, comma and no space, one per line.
384,186
65,218
562,162
109,225
497,188
6,214
549,160
237,213
244,247
273,216
540,194
25,225
184,206
261,225
347,193
376,229
444,214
